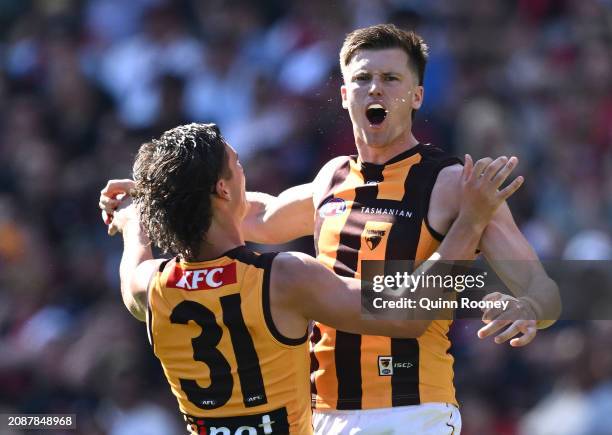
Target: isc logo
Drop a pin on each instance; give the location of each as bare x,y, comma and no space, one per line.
386,366
202,279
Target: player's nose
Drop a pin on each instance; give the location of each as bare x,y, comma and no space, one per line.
375,87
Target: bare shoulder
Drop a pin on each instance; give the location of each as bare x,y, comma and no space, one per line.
448,177
300,274
331,166
444,201
325,175
288,282
290,266
447,185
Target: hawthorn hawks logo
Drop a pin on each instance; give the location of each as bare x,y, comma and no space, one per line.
373,238
385,365
333,207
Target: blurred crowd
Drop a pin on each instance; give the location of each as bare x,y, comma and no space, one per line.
84,83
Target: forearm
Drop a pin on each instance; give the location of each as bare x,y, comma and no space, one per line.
461,241
519,267
253,226
136,249
542,294
274,220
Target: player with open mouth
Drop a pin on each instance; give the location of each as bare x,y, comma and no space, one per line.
376,114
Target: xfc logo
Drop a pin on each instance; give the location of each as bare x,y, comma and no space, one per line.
202,279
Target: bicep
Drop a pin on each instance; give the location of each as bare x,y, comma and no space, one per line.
336,301
330,299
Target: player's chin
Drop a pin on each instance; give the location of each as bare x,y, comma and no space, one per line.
375,124
375,139
374,130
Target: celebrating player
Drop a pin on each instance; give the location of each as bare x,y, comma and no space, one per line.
395,201
229,326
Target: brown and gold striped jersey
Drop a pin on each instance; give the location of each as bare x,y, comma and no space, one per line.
211,327
379,212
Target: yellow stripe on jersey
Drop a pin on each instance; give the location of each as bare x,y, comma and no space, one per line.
395,174
324,381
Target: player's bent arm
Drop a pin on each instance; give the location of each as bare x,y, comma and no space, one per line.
274,220
136,269
300,284
516,263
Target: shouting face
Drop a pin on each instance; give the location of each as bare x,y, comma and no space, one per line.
380,92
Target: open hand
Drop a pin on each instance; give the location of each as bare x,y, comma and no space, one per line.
480,185
519,315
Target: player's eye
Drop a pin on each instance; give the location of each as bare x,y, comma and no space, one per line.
391,78
362,77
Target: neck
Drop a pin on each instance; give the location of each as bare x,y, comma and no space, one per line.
224,234
381,153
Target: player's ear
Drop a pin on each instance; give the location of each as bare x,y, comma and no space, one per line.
417,97
222,189
343,94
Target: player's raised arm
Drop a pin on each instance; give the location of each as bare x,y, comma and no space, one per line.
279,219
536,296
137,266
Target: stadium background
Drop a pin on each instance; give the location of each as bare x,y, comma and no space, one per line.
83,83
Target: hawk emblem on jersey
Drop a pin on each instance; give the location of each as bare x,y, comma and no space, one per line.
373,238
385,366
333,207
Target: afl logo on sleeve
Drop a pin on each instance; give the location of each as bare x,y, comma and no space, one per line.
202,279
332,207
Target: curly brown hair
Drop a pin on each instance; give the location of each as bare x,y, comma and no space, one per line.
175,176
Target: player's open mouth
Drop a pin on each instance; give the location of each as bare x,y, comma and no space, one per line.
376,114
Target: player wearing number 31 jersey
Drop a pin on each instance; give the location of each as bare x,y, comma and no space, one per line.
229,326
239,342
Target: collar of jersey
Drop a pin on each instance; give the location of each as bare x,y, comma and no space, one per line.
232,254
397,159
